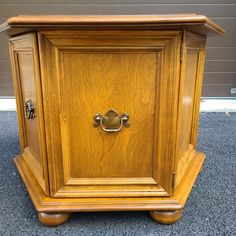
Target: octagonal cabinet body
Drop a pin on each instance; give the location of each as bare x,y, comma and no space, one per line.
108,111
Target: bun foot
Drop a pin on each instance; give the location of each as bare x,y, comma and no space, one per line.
166,217
53,219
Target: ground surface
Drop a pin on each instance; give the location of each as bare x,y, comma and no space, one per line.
210,210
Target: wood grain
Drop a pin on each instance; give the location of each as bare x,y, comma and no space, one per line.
221,43
94,79
166,217
193,51
188,100
69,165
200,23
27,86
53,219
45,203
100,82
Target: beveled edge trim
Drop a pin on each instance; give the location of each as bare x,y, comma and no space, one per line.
48,204
43,203
67,192
111,181
41,21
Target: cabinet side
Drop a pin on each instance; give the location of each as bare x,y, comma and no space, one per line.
27,88
193,58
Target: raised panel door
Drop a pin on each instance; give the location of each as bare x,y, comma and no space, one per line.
98,72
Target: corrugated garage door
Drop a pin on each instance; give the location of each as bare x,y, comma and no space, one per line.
220,69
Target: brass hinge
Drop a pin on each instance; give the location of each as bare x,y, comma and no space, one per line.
181,48
181,52
173,180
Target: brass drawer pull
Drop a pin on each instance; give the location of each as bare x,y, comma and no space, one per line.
111,121
29,110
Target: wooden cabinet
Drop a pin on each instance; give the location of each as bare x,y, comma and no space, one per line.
108,111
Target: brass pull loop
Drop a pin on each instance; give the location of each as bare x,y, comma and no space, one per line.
111,121
29,110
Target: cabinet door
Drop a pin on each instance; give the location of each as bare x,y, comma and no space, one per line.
26,79
110,73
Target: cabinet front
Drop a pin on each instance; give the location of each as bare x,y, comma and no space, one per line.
110,104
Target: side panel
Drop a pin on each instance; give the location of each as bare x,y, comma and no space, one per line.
190,93
26,78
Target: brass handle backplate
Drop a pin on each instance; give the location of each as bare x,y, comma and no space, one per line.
29,110
111,121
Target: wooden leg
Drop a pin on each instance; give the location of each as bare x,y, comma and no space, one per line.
166,217
53,219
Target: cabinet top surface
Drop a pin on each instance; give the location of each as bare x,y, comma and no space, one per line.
25,23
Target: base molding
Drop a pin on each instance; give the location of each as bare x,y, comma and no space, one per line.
45,203
160,207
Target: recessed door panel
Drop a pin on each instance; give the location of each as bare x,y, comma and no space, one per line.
96,83
188,100
26,76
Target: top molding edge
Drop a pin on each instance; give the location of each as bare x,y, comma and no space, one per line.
197,23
